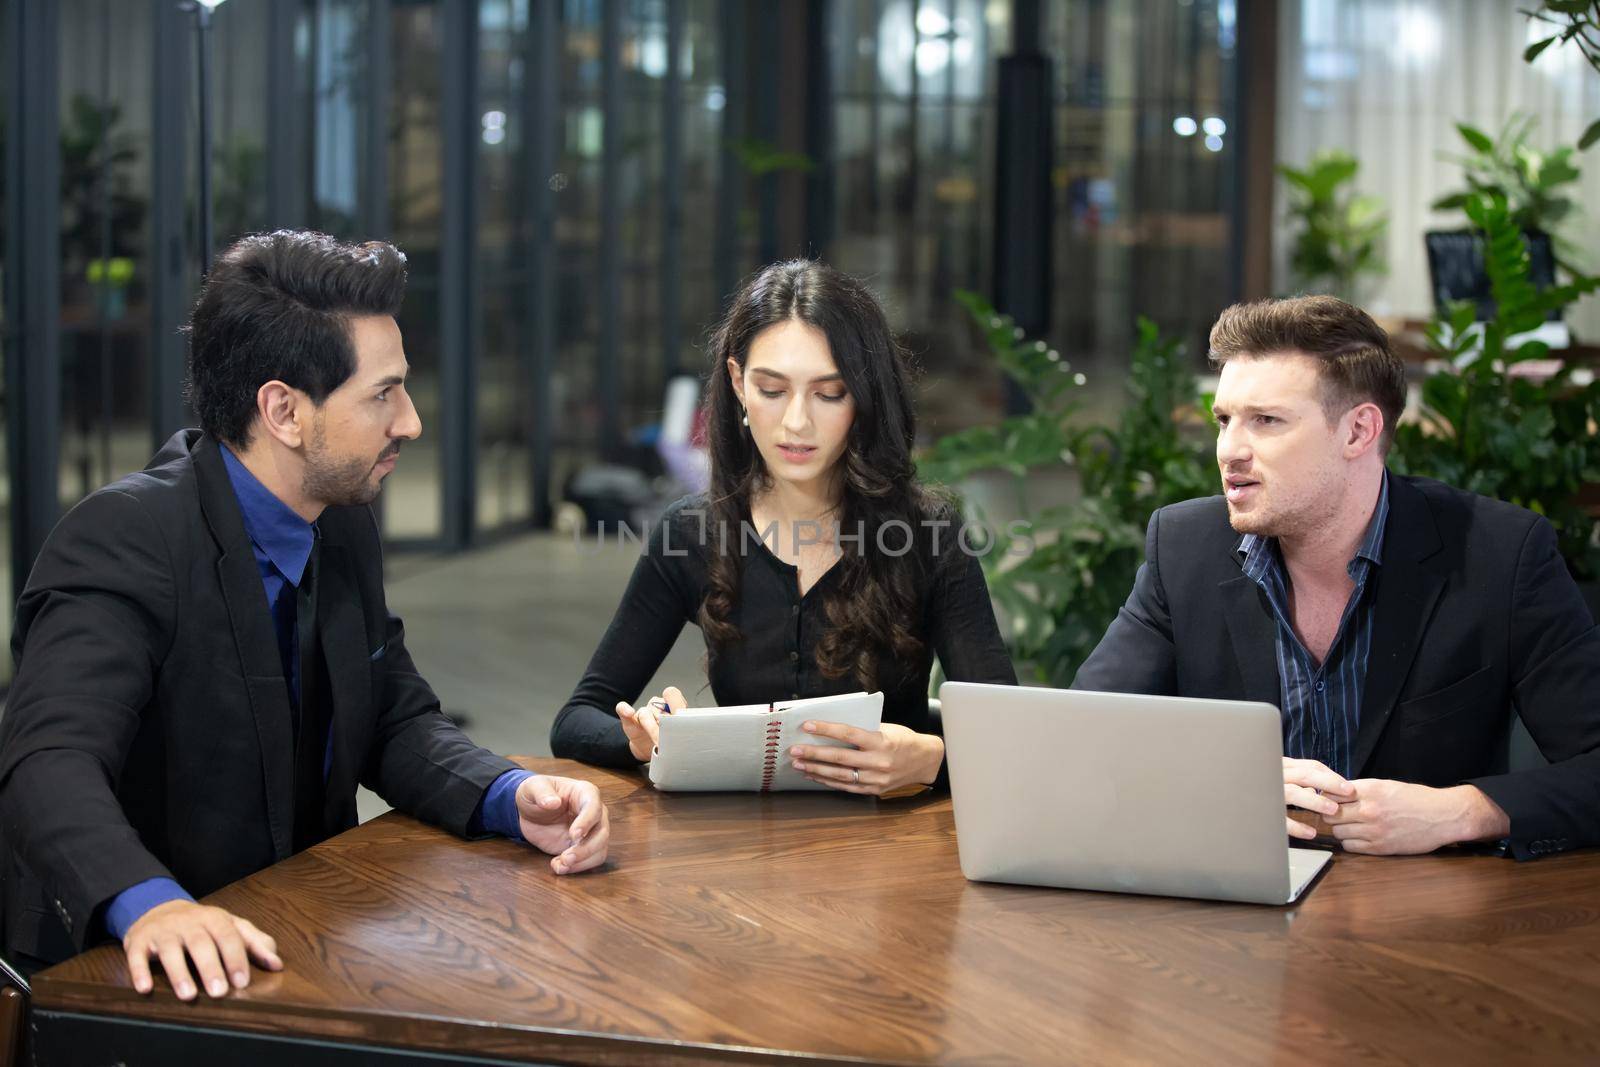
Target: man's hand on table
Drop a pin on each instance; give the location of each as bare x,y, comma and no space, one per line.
220,944
564,818
1312,786
1389,818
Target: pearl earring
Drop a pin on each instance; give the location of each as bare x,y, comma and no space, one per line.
745,418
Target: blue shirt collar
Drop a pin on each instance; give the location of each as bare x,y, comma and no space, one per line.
282,535
1372,542
1256,552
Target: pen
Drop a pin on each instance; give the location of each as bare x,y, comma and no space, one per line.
661,706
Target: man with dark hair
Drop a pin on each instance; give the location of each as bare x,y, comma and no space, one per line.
1395,622
206,667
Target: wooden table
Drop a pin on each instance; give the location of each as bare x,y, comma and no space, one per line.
835,929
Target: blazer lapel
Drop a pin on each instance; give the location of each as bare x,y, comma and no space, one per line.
344,649
254,639
1408,590
1254,633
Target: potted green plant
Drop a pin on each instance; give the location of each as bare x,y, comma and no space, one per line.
1059,573
1338,233
1536,185
1491,426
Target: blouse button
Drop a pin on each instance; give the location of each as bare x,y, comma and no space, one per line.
794,657
795,610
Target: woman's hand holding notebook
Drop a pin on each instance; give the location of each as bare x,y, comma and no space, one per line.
745,748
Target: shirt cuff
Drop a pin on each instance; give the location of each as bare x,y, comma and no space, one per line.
497,813
129,906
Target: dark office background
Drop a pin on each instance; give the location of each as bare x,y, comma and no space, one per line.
580,184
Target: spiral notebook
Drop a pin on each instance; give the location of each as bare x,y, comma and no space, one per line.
746,748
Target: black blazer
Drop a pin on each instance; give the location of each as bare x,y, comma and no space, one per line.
148,733
1475,615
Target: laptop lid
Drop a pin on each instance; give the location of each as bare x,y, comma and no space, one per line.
1121,792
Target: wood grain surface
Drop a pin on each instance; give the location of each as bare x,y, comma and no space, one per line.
837,929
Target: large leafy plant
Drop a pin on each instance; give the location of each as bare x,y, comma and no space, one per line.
1535,185
1059,573
1574,24
1490,426
1338,234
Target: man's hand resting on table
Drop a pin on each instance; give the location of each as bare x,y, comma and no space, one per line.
1389,818
221,946
564,818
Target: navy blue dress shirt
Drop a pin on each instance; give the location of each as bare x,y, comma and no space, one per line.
282,543
1321,704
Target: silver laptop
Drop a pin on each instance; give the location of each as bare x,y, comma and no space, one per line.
1132,794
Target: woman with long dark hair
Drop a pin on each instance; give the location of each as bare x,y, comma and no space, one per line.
816,564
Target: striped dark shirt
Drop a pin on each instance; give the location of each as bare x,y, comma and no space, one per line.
1322,705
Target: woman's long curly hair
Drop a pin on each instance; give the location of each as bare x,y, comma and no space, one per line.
872,606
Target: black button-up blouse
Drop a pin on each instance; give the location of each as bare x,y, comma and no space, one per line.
776,659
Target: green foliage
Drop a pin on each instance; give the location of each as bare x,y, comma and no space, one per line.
1060,573
240,170
1492,430
1338,234
94,146
761,158
1533,184
1575,24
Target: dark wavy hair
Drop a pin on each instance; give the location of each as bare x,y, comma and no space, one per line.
872,607
276,306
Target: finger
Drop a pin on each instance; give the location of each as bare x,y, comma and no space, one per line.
176,965
843,787
850,735
834,773
649,719
630,720
589,854
640,743
263,948
1314,775
539,799
843,757
1349,814
139,965
674,698
641,723
1357,844
207,964
1309,799
230,946
590,810
1300,830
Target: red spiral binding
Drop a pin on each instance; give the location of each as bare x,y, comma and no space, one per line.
769,767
